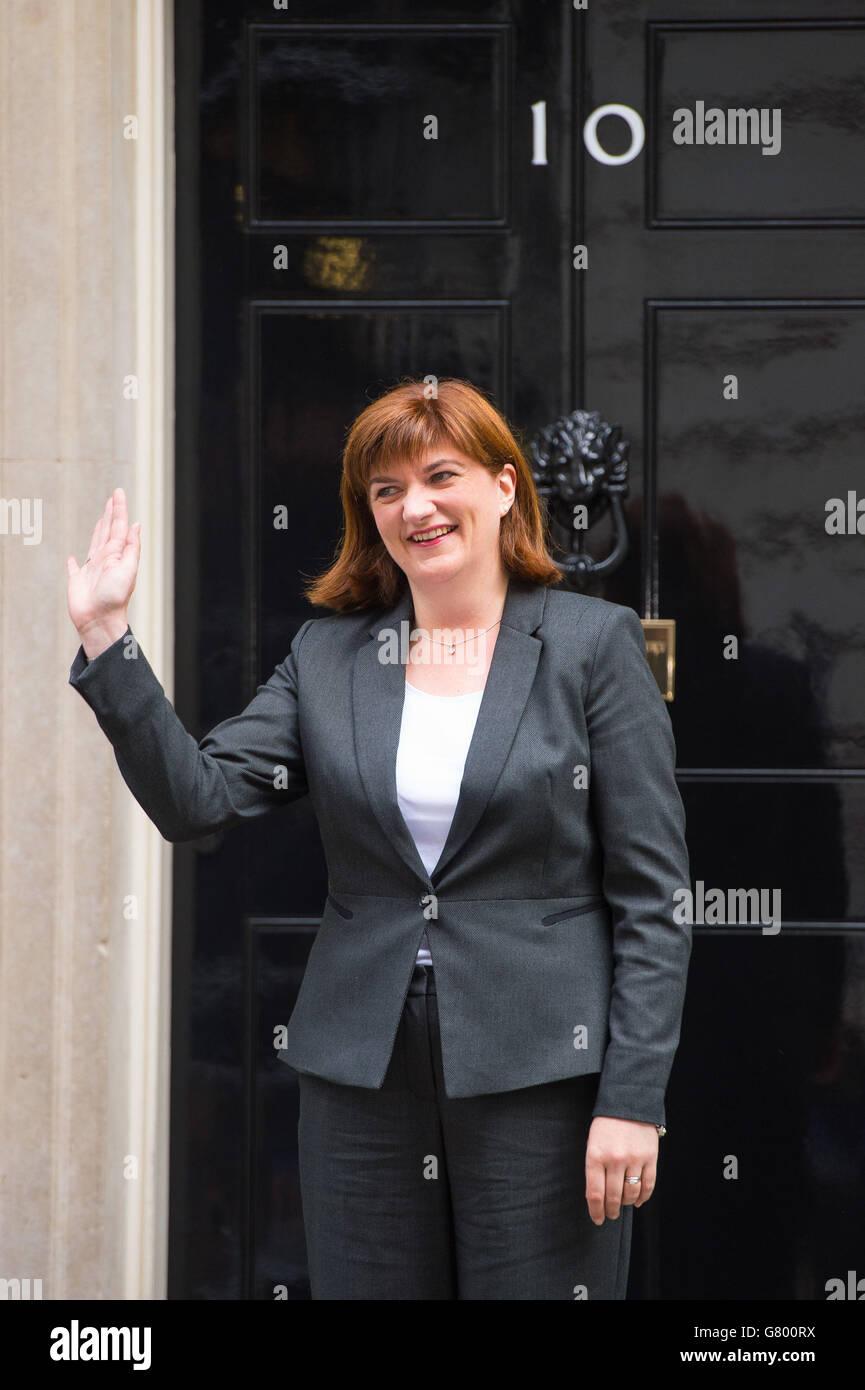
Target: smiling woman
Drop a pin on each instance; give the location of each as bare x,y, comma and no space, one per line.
437,492
432,451
495,987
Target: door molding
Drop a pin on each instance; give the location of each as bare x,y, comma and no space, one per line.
148,998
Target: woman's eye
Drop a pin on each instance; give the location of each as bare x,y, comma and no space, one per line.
442,473
388,487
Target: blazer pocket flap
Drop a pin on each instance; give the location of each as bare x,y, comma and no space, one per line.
573,911
338,907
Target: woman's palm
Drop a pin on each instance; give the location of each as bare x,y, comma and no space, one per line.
104,584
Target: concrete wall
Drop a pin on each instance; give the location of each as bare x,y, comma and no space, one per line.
86,302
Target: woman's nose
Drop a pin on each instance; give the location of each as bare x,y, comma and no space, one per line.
417,507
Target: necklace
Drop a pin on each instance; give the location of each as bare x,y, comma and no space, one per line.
452,646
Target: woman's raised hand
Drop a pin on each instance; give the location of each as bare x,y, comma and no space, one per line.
98,592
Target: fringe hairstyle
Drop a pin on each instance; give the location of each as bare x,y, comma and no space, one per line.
404,423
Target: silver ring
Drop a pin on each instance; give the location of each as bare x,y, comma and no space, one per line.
633,1179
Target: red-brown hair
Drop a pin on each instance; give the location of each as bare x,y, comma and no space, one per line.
404,423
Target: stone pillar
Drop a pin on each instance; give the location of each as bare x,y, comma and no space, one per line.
86,365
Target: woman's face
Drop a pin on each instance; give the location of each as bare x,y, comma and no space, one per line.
443,489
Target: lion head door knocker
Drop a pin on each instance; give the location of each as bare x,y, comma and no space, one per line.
581,471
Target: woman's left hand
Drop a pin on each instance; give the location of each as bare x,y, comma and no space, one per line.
617,1149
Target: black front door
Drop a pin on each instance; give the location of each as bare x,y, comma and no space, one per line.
399,189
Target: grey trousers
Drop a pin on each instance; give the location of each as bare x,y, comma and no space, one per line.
409,1195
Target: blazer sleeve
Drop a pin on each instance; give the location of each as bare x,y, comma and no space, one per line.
641,825
246,766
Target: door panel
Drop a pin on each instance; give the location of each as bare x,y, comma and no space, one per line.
723,318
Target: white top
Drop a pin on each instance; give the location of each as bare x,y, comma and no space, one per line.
434,739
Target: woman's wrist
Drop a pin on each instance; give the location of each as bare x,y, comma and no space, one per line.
102,633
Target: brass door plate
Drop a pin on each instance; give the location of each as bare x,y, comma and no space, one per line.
660,635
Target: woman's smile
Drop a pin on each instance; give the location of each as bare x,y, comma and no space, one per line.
432,536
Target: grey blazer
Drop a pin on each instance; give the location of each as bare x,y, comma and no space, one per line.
550,913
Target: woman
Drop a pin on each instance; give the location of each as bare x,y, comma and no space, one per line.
492,1001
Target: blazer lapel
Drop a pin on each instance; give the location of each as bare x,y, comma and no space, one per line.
378,695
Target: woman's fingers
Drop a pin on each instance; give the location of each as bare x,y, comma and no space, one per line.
132,549
106,578
647,1186
113,523
607,1191
119,517
635,1193
613,1188
96,536
617,1150
596,1190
